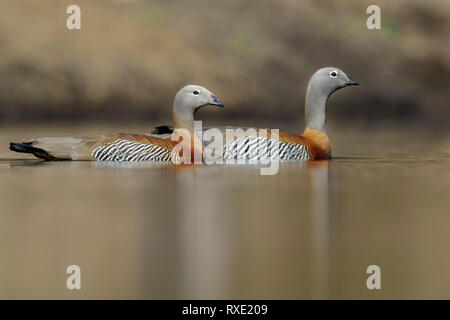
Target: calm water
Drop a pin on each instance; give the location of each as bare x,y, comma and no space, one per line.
157,231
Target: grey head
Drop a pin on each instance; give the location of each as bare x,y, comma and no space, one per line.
323,83
187,101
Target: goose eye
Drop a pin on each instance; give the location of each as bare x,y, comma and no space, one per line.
195,93
333,74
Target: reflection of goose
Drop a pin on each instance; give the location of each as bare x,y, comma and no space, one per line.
124,147
320,211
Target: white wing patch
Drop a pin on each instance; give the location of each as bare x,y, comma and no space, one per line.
128,150
258,148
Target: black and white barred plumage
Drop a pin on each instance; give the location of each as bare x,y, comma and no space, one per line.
258,148
128,150
247,148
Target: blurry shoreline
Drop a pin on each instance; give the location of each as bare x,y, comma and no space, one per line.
131,57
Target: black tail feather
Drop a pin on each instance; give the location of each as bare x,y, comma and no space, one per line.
22,147
28,148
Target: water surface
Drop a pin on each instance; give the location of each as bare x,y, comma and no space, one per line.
152,230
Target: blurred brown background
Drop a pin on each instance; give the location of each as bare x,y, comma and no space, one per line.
131,56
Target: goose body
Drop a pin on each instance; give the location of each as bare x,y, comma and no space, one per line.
311,145
125,147
118,147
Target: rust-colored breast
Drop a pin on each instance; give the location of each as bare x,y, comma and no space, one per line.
317,143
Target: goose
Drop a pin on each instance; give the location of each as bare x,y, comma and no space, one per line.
312,144
122,146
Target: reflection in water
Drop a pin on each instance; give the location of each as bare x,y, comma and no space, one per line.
205,246
320,211
24,162
205,251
